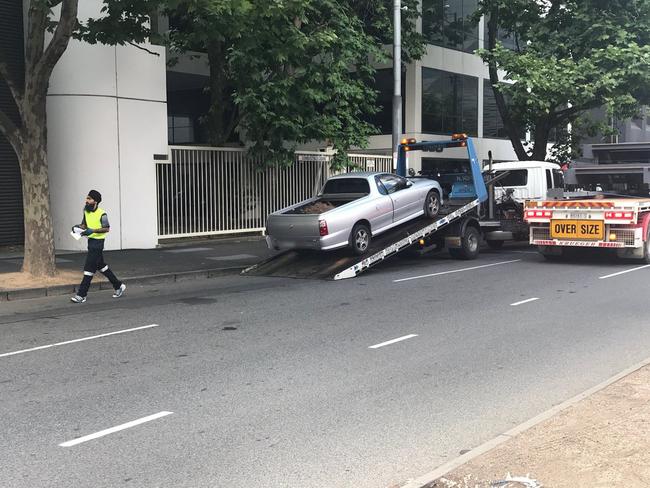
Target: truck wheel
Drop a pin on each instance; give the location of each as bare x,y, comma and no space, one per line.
431,205
551,256
495,244
469,245
646,248
360,239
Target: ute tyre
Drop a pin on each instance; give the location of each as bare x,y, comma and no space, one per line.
495,244
360,238
469,245
432,205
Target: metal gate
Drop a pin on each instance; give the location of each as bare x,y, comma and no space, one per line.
209,191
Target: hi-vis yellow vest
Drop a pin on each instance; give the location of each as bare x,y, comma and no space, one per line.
94,221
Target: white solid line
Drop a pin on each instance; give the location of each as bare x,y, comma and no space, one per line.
456,271
428,478
623,272
102,433
523,301
392,341
76,340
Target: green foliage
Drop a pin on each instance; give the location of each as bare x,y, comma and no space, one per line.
573,56
291,71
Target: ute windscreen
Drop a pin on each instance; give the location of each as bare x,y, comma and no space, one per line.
346,185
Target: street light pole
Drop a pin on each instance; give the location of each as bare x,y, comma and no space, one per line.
397,77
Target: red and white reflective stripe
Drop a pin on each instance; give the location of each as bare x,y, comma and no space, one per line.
539,214
619,215
546,242
570,204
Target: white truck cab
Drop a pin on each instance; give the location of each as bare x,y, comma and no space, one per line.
530,180
524,181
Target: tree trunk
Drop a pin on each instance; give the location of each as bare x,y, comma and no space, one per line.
216,123
39,238
508,123
542,130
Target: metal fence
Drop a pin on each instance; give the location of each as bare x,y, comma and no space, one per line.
209,191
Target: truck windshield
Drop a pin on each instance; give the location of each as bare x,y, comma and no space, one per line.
517,177
346,185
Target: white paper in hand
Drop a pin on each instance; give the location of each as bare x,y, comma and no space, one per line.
76,232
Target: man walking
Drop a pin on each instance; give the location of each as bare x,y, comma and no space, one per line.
95,226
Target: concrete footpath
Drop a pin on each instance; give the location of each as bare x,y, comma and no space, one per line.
168,263
598,439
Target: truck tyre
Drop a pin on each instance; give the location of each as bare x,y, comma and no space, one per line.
469,244
552,256
495,244
646,247
360,239
432,205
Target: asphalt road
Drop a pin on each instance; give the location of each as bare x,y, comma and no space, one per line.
268,382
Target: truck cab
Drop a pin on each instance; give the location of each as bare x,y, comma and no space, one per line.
528,180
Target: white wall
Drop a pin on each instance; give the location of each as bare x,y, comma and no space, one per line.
107,117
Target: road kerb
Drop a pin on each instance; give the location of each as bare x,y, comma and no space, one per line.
427,480
27,293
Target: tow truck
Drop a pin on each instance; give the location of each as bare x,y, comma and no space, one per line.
457,226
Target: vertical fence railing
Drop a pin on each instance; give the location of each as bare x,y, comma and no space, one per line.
209,191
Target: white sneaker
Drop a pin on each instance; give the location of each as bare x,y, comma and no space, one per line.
78,299
120,291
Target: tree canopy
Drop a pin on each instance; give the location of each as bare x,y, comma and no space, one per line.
284,73
570,57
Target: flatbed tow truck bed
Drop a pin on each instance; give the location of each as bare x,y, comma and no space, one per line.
341,264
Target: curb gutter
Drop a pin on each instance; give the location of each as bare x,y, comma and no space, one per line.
429,480
27,293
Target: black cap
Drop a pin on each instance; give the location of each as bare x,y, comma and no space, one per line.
95,195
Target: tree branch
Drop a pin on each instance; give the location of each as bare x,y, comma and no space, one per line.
143,48
513,133
16,91
60,40
567,113
11,132
35,39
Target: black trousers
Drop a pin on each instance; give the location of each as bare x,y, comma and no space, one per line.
95,262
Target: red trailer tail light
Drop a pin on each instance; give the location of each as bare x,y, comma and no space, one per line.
619,215
322,227
539,214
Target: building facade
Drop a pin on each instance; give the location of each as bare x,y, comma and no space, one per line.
114,111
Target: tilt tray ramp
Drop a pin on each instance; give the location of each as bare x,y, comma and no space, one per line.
341,264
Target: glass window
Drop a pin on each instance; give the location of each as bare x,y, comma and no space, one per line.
180,129
383,119
492,121
449,102
507,40
558,176
393,183
380,186
517,177
549,179
448,23
346,185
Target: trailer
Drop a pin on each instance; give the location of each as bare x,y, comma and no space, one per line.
619,224
456,227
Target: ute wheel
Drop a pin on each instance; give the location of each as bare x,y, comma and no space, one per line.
469,245
431,205
360,239
495,244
